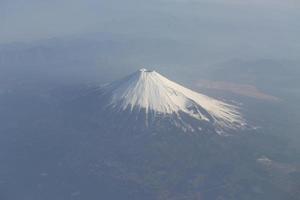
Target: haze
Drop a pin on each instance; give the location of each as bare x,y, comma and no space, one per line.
64,136
237,28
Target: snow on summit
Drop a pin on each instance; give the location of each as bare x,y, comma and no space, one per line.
153,93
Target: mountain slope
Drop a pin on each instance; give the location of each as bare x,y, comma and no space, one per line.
152,95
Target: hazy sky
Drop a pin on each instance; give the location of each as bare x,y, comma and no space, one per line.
267,25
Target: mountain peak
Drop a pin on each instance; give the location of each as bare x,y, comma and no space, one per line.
150,92
144,70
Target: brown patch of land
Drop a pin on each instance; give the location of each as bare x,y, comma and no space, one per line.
240,89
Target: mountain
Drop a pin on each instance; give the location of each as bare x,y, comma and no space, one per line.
148,100
67,152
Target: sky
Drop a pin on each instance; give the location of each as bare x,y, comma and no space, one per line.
264,25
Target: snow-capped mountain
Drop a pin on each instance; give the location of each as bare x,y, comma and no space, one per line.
149,98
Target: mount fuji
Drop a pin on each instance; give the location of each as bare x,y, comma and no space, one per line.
148,100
